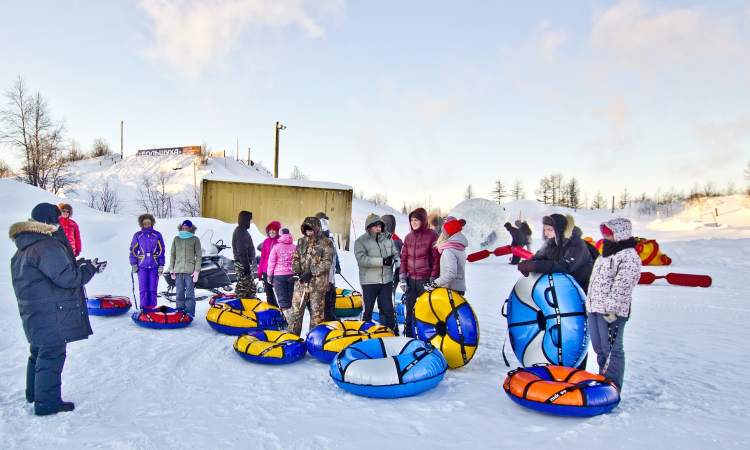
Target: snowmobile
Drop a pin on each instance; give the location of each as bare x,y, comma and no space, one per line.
217,272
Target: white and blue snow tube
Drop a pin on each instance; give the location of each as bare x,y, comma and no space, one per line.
400,313
389,367
547,320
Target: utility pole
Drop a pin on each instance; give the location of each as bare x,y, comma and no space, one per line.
122,123
279,126
248,156
237,150
613,204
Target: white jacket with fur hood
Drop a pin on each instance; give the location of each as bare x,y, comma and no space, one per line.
615,276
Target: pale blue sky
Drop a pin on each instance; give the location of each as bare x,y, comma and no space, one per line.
413,99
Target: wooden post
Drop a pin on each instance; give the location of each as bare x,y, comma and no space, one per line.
276,153
122,154
613,204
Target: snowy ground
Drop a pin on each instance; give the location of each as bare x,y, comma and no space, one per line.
140,389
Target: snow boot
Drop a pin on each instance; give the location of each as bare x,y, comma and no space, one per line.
62,407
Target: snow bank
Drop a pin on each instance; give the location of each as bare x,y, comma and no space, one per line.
485,222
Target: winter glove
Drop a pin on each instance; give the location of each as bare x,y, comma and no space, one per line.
388,261
174,276
338,270
99,266
81,261
526,267
431,280
134,268
610,317
160,269
306,277
430,286
195,277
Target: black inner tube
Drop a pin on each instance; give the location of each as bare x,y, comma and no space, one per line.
441,328
540,320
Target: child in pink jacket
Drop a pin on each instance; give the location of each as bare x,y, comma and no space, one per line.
279,270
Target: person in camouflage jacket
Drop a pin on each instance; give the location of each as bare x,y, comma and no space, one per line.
312,263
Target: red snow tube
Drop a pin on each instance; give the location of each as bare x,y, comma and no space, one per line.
108,305
162,317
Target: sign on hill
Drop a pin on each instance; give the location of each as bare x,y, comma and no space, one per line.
191,150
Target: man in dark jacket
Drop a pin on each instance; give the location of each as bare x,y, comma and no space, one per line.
244,256
48,283
517,240
418,263
564,251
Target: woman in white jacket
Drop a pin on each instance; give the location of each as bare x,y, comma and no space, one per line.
451,245
610,294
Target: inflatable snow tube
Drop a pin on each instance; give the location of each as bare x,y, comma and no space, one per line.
445,319
547,320
108,305
238,316
561,390
651,255
389,367
400,311
270,347
162,317
348,303
329,338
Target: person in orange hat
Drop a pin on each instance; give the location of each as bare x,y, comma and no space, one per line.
70,227
451,245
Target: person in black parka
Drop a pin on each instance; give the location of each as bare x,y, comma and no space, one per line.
564,251
517,240
48,283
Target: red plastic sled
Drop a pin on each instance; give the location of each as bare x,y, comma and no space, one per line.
678,279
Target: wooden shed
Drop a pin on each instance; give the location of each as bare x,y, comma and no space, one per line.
288,201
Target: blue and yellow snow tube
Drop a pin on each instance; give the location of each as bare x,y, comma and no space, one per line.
108,305
348,303
239,316
389,367
547,320
270,347
162,318
445,319
329,338
561,390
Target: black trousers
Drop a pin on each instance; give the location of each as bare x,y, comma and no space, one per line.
268,289
329,312
414,288
383,294
44,376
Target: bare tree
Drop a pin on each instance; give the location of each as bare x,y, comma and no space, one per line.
297,174
624,198
599,202
378,199
5,171
499,193
572,194
469,194
556,183
100,148
517,191
544,191
74,152
27,125
104,199
153,196
731,188
190,205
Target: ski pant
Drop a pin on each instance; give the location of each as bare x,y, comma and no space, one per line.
185,292
414,288
600,341
245,287
383,294
44,376
148,282
307,296
268,288
330,309
283,286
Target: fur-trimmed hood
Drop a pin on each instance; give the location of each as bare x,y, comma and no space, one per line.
314,224
192,229
26,233
563,225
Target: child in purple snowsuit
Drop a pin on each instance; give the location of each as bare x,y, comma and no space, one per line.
147,259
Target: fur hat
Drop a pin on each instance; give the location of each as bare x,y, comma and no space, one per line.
143,217
563,225
64,206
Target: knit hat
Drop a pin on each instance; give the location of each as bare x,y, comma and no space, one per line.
275,226
46,213
285,231
453,225
606,231
186,223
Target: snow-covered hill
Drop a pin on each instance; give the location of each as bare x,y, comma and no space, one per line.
142,389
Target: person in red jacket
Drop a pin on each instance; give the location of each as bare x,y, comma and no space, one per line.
417,264
70,227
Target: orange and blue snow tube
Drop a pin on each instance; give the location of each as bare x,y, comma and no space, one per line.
560,390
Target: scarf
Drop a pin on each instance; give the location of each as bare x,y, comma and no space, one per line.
449,244
609,248
185,234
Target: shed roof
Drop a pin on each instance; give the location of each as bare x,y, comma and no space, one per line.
279,182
